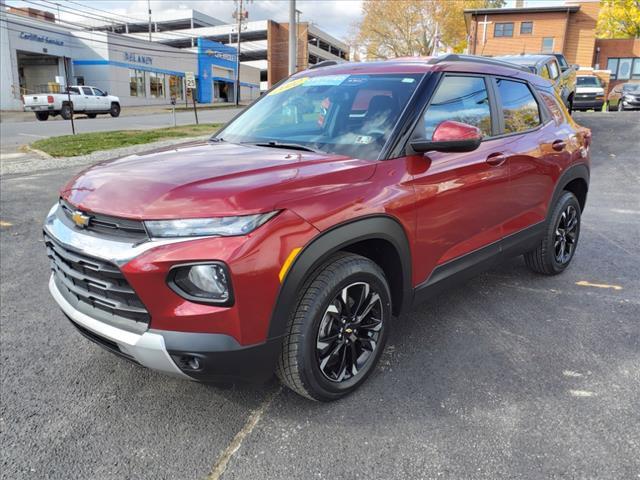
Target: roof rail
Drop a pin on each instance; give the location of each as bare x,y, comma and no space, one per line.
454,57
324,63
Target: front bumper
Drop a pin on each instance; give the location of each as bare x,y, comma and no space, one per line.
219,357
588,104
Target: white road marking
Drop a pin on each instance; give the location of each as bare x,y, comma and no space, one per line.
221,465
571,373
32,135
581,393
622,210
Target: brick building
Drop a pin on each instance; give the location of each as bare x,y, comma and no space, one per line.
568,29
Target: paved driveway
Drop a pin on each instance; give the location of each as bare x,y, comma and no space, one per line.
511,375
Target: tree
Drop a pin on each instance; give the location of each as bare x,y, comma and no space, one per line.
398,28
619,19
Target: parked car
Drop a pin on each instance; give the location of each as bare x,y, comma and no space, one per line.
625,96
291,239
589,93
84,99
547,66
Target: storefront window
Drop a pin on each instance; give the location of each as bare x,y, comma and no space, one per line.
156,82
175,87
136,83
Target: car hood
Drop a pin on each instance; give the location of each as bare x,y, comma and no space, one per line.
209,179
589,90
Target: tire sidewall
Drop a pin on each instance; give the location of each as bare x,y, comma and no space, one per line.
566,199
114,111
310,371
65,112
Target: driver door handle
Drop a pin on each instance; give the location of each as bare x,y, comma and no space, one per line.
496,159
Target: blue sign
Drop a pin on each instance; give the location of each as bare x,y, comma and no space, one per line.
214,54
137,58
34,37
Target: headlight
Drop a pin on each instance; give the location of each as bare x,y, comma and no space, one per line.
208,283
200,227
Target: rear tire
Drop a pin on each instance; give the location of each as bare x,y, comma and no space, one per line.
65,111
338,329
42,116
114,111
557,248
92,115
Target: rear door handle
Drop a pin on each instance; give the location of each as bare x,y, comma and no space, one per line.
496,159
559,145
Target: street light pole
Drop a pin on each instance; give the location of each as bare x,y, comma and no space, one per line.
239,14
293,37
149,6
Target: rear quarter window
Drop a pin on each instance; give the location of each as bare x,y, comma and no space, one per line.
554,107
519,107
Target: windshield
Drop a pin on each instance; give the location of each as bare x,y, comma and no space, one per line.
631,87
588,81
350,115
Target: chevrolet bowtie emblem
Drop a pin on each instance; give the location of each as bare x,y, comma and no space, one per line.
80,219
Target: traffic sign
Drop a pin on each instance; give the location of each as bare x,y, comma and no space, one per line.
191,80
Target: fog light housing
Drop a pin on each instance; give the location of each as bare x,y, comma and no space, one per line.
202,283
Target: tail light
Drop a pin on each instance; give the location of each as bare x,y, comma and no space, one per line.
49,98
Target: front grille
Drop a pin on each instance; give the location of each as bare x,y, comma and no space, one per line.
95,282
586,96
108,225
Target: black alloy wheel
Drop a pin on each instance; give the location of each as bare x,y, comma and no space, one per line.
66,112
566,235
349,332
557,246
114,111
338,328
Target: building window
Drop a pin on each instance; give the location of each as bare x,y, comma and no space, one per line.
175,87
503,30
156,82
137,83
519,107
526,28
624,68
547,45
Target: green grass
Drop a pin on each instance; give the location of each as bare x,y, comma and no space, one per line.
84,143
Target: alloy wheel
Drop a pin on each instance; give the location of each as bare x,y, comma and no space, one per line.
566,235
349,332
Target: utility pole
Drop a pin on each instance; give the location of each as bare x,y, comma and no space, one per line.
239,15
293,37
149,6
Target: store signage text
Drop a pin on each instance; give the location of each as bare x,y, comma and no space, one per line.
221,55
135,57
34,37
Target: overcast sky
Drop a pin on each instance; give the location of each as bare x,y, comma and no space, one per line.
335,17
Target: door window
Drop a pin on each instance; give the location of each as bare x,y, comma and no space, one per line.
519,106
463,99
98,92
553,70
87,91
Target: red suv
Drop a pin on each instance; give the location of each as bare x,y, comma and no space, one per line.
290,240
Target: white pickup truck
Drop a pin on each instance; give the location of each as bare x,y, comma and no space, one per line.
84,99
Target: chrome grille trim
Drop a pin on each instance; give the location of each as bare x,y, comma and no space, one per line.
108,225
96,282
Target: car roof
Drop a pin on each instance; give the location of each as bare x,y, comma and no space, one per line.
421,65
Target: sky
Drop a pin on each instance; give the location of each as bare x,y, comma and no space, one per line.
336,17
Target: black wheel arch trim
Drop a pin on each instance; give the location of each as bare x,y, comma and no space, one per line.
578,171
372,227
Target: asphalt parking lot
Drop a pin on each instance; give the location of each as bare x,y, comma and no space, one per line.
511,375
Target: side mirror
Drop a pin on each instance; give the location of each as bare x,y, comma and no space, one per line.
105,94
450,136
575,66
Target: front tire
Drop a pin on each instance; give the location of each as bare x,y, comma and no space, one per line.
338,329
558,246
92,115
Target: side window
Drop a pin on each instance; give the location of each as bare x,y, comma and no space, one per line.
463,99
87,91
553,70
98,92
74,90
554,107
519,106
544,72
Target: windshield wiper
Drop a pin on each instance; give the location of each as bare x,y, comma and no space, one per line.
289,146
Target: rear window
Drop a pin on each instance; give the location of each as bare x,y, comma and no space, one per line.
519,106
